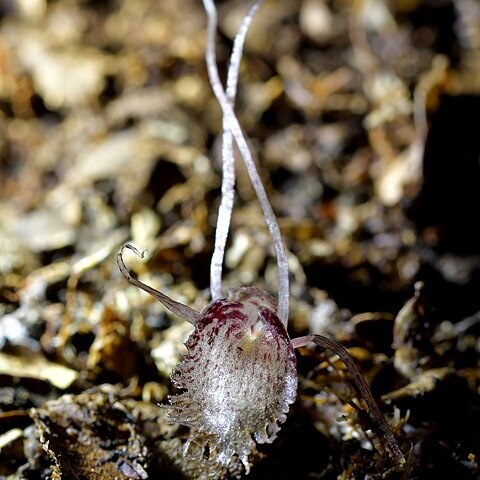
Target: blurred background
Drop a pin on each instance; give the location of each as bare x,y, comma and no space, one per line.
363,117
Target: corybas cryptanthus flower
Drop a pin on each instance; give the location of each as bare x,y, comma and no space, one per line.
239,377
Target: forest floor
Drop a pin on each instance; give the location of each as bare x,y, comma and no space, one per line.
363,116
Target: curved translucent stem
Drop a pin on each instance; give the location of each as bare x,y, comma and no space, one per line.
361,385
187,313
240,140
228,160
237,50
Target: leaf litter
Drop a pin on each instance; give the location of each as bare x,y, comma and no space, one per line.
106,126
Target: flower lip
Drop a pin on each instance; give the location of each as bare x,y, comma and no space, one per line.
238,378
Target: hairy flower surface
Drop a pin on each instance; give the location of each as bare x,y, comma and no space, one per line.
238,377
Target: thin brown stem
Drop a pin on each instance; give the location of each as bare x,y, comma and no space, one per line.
184,311
363,389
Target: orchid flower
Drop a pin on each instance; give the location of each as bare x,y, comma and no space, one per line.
239,376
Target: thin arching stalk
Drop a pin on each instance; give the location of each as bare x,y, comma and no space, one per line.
240,140
228,160
361,385
184,311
